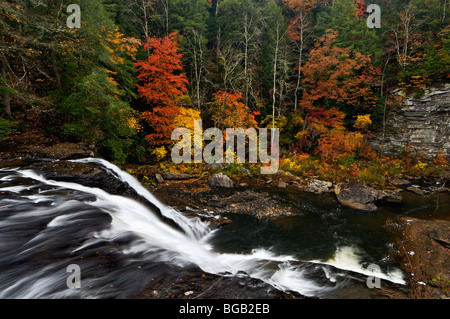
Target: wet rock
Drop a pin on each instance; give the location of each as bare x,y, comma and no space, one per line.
416,190
258,204
318,187
282,184
357,195
61,151
159,178
390,196
424,248
220,180
400,182
176,176
195,284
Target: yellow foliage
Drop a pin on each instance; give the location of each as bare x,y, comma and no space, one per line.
133,120
186,118
363,122
160,153
421,165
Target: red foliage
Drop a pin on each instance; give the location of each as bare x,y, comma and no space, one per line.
360,8
160,73
163,83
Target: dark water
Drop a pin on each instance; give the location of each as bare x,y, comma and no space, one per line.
120,244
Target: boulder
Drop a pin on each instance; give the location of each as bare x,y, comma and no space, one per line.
357,195
400,182
282,184
318,187
159,178
220,180
390,196
416,190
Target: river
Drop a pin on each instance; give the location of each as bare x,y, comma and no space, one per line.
121,243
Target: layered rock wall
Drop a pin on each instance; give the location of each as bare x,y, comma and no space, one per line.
422,124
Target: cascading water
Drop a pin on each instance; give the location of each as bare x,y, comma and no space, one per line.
46,225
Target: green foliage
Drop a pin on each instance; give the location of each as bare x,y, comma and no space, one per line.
7,127
189,15
97,115
232,14
353,32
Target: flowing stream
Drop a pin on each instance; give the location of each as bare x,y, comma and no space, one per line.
117,241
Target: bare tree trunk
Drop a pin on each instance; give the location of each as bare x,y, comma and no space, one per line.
217,8
246,43
166,15
299,74
445,8
55,69
6,100
275,66
196,50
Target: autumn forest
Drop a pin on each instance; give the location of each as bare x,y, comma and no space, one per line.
137,69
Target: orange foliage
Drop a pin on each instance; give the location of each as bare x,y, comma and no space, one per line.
339,144
333,76
230,112
318,121
118,44
300,5
338,74
360,8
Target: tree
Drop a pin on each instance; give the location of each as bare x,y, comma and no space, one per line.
196,57
275,36
346,17
239,23
230,112
186,16
419,36
336,75
300,29
189,18
161,84
334,78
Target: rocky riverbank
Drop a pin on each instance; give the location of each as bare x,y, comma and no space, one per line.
169,281
424,247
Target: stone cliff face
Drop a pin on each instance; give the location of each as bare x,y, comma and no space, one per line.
423,124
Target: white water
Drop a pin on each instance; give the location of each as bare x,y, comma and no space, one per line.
159,242
348,258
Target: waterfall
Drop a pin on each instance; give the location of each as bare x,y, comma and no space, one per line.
64,221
